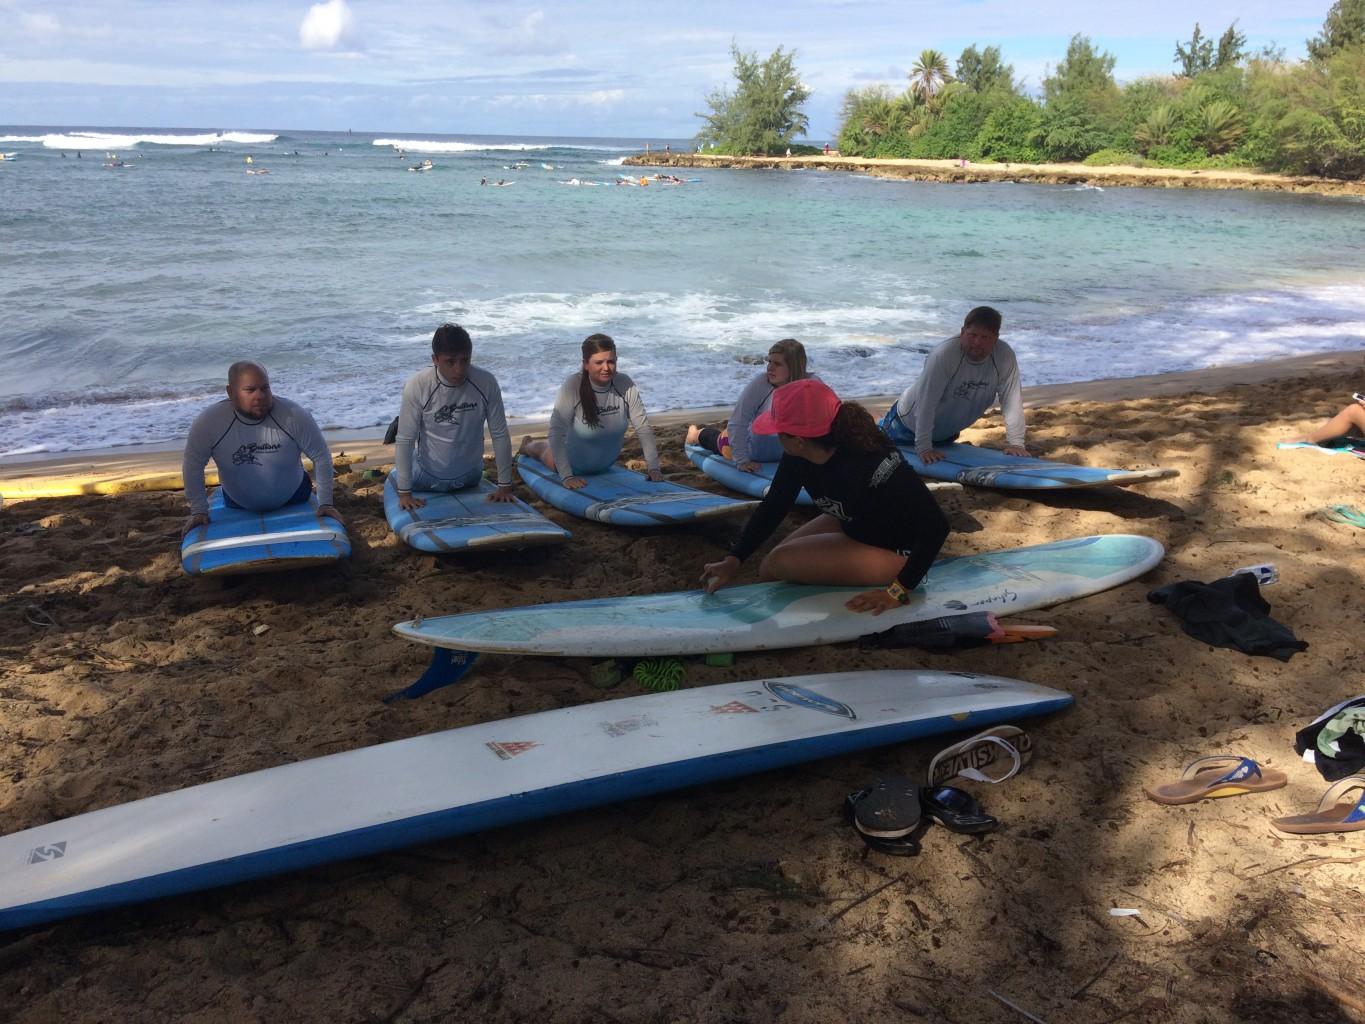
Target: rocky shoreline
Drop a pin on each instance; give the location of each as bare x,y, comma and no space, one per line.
1043,174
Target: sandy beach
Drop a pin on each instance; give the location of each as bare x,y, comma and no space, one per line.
121,678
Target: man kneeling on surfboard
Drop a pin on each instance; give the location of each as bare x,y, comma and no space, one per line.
439,441
256,440
962,378
879,521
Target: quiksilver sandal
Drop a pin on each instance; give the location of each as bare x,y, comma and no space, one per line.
1334,814
991,756
1218,775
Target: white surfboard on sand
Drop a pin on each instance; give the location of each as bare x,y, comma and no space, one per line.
479,777
764,616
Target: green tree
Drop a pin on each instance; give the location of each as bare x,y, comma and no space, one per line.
1232,47
929,74
1218,125
1083,103
1344,27
983,70
1008,133
763,114
1069,130
1084,72
1157,129
1194,56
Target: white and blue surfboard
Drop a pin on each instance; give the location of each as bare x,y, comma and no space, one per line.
985,467
622,497
480,777
238,541
1337,446
756,484
763,616
453,521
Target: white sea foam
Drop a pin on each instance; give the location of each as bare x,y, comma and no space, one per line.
22,138
615,161
115,141
446,146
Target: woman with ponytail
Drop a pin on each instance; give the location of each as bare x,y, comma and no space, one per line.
589,419
786,363
880,527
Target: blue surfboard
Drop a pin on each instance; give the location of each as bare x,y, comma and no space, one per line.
756,484
985,467
622,497
480,777
456,520
238,541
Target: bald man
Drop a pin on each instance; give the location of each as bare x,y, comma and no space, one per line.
256,440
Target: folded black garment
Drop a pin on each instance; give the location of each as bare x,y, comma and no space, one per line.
1335,740
1229,613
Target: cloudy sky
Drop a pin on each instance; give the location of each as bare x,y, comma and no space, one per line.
635,70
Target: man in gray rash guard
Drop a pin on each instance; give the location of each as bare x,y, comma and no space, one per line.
255,439
439,443
962,378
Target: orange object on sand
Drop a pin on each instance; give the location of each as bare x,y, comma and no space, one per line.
1218,775
1334,814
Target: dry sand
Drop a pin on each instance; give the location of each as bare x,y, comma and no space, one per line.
742,901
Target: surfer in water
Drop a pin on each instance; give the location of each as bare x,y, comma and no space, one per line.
589,419
256,440
962,378
1350,421
439,440
786,363
879,522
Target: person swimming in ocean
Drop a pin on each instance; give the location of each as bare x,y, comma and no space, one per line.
439,439
589,420
256,440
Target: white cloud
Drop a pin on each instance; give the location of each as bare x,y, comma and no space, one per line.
605,97
329,26
531,36
40,24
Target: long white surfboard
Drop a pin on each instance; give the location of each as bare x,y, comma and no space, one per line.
479,777
764,616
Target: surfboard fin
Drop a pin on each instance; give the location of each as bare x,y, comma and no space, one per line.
951,631
447,668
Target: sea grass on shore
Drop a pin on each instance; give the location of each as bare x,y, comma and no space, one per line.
1044,174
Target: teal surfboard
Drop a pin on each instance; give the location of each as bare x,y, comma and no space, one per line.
239,541
457,520
761,616
985,467
1337,446
756,484
622,497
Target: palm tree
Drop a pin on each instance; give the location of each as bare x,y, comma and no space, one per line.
929,74
1219,125
1156,129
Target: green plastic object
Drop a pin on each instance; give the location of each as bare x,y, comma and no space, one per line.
723,659
659,674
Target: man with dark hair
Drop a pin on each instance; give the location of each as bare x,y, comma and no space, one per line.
961,378
255,439
439,439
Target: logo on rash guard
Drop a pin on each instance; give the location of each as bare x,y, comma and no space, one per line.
608,410
832,507
448,413
246,454
967,387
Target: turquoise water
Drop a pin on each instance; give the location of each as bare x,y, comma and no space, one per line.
127,290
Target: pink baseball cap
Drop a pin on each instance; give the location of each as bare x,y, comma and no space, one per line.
805,408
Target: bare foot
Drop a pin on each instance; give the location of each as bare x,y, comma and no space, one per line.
525,446
693,433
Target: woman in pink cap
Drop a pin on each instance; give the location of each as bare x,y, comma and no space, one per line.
880,527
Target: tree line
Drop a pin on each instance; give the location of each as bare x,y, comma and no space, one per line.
1222,107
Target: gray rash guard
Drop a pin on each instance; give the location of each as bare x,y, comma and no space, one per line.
952,393
258,460
440,431
579,448
756,397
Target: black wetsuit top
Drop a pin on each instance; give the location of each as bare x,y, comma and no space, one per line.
876,497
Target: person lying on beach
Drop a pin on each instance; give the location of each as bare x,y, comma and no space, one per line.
438,445
1351,420
878,521
256,440
786,363
589,419
962,378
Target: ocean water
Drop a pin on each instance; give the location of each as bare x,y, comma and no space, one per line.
126,291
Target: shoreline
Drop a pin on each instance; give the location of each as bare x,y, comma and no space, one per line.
89,469
1037,174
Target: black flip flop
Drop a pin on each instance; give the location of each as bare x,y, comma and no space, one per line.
956,810
889,809
905,846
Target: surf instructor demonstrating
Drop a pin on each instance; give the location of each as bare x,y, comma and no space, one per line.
439,440
962,378
880,526
256,440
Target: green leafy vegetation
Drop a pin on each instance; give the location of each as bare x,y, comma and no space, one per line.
1221,107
